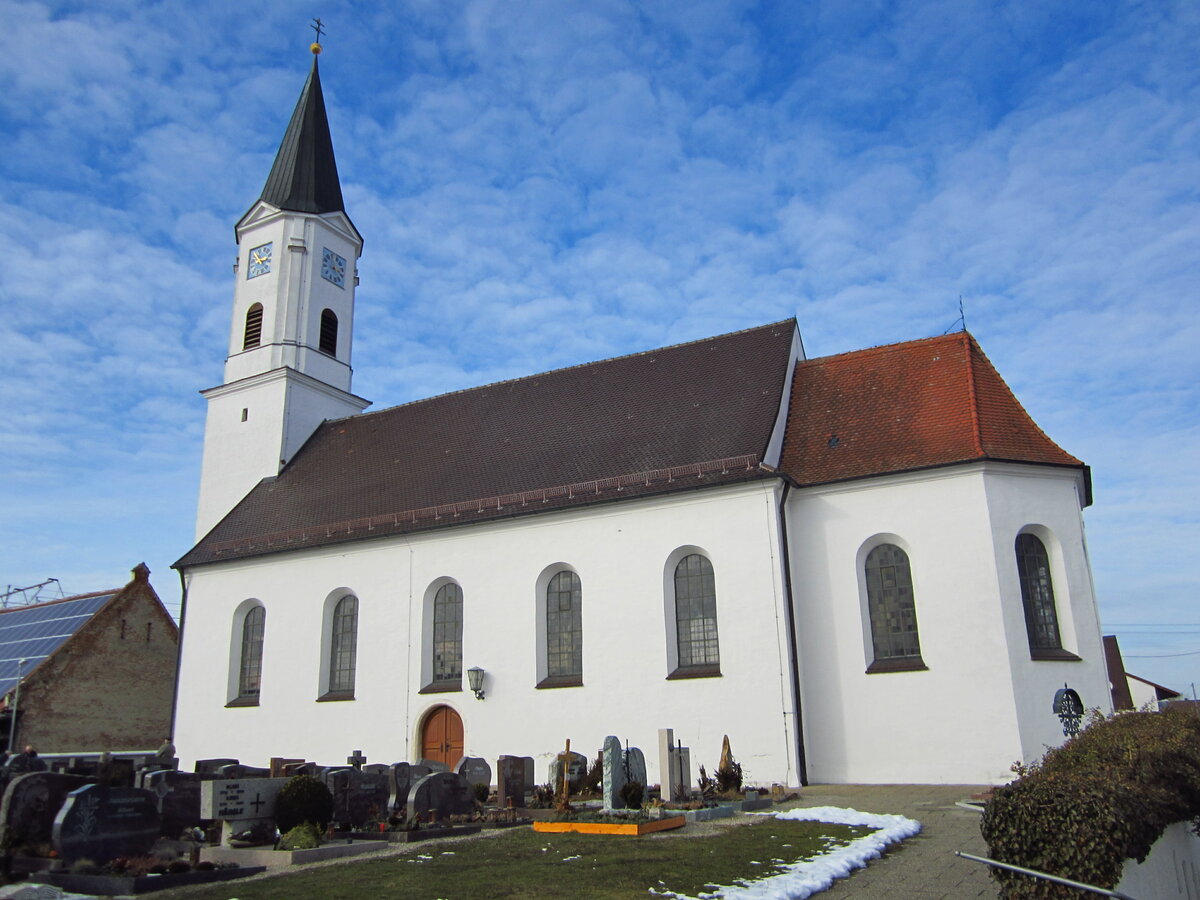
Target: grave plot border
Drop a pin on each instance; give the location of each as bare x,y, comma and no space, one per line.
633,829
118,885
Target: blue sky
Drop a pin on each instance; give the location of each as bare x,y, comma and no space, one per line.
546,183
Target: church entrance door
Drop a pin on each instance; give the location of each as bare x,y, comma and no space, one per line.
442,736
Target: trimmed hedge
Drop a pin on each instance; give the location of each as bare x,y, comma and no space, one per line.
1101,798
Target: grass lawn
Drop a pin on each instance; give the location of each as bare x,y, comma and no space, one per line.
520,863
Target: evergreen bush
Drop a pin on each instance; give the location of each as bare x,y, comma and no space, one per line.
302,837
303,799
1103,797
632,793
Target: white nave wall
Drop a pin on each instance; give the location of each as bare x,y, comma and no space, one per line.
619,552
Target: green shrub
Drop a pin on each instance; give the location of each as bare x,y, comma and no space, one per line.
482,791
1103,797
302,837
303,799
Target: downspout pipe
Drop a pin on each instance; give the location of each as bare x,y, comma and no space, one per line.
183,584
786,556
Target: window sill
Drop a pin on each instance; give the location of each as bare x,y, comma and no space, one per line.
560,681
242,701
335,695
441,687
709,671
898,664
1056,654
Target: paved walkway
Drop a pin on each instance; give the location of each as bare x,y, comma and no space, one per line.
923,867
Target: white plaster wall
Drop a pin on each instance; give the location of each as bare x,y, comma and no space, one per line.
1142,694
618,550
1046,500
1171,870
956,722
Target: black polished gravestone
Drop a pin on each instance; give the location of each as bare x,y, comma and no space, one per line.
213,767
437,797
510,782
31,803
402,777
239,772
178,798
434,765
359,798
101,823
475,770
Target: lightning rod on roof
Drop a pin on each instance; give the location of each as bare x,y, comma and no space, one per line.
961,321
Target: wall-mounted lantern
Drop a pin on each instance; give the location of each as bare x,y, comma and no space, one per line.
475,679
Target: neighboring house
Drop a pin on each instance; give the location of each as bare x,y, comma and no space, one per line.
868,567
96,671
1129,691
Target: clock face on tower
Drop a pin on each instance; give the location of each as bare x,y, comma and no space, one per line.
260,261
333,268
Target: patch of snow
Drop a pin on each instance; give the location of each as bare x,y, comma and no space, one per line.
807,877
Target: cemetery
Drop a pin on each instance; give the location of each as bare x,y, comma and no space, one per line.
145,827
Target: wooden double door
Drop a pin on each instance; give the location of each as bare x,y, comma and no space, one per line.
442,736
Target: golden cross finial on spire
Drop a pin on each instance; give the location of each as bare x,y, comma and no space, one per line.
319,27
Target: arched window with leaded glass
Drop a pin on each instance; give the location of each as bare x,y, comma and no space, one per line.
892,610
1037,594
343,646
445,639
251,653
699,651
564,627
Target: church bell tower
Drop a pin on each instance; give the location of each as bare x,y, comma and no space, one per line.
288,367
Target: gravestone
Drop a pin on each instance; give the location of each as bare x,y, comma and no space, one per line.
401,778
358,797
101,823
434,766
635,768
613,758
576,771
240,772
178,798
240,805
280,764
439,796
674,767
510,781
31,803
213,766
529,777
377,768
475,770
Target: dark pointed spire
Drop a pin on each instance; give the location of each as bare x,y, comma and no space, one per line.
304,177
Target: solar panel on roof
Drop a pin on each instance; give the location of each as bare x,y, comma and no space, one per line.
32,633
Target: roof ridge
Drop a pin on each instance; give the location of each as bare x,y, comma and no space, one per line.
583,365
879,348
972,397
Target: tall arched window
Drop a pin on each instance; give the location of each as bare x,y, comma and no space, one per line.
696,616
250,668
564,627
343,646
1037,593
253,335
892,610
329,329
447,636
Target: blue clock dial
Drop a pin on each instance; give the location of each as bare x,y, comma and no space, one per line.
333,268
260,261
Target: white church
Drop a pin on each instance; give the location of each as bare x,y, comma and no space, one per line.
868,567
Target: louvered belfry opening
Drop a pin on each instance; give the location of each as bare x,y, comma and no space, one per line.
329,329
253,327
